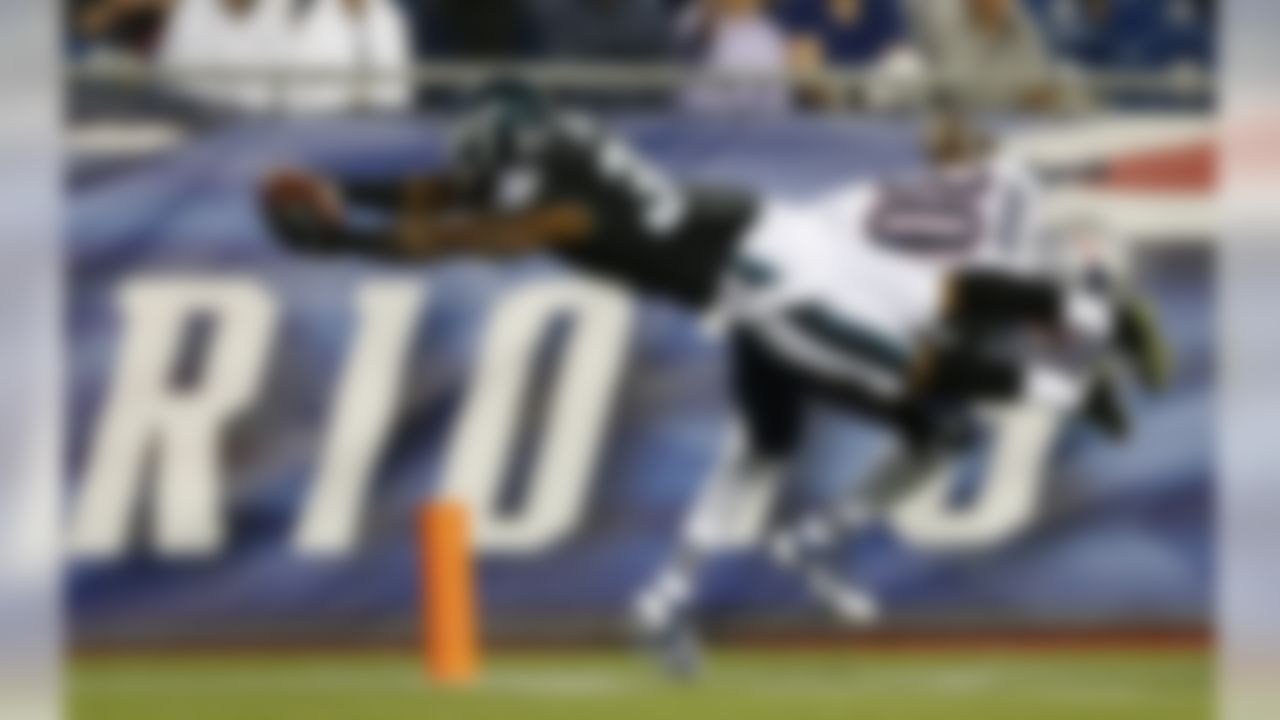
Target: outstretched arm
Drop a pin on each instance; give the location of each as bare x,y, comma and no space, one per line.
308,213
423,236
417,192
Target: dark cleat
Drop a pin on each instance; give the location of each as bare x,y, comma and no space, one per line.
1105,408
1140,339
675,647
663,622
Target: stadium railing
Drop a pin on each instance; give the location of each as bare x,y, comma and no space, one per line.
1180,87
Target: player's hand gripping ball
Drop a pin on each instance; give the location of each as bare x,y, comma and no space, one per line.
304,210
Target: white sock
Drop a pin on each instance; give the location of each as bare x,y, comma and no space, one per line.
729,493
1090,314
790,546
732,494
1054,388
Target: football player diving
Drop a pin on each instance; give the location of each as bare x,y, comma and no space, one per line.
884,299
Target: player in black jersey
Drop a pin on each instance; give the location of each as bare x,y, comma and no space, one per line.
527,177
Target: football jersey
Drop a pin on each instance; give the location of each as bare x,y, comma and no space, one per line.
984,213
856,280
647,231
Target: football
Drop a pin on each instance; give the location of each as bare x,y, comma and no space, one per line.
300,192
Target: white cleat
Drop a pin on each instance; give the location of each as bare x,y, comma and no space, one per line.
848,603
800,550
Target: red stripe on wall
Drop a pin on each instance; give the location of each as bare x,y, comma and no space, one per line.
1190,168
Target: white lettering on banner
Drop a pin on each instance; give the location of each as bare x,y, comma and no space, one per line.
1008,502
362,415
149,424
577,419
181,427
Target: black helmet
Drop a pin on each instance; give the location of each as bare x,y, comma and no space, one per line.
502,109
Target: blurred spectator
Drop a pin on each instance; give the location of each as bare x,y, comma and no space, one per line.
481,29
1129,34
1198,22
841,32
131,27
603,29
869,34
345,54
992,49
234,38
363,44
736,38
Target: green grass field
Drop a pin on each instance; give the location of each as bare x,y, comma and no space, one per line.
737,686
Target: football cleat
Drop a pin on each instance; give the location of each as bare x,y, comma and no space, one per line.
1105,409
802,550
663,623
847,603
1142,342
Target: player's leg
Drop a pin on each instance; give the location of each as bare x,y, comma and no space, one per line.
663,610
805,545
840,349
927,442
771,410
982,298
959,374
927,437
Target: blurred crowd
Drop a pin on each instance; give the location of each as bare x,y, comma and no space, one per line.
1026,53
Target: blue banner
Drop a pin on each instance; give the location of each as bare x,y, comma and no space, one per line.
251,433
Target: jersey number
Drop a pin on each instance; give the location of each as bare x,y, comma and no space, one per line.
662,205
934,216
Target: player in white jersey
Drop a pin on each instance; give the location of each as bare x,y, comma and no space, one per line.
884,296
826,302
891,256
970,213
